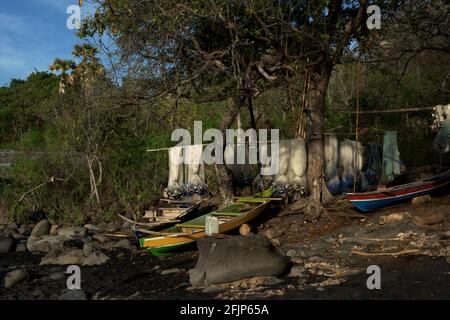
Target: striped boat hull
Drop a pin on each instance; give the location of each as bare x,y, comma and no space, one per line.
370,201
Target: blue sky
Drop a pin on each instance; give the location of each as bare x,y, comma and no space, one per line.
32,34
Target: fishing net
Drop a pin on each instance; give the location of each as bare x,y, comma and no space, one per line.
391,157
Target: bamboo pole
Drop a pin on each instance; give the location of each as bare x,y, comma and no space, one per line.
391,110
356,123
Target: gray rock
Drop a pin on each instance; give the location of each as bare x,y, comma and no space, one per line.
12,226
72,232
15,277
231,259
171,271
113,227
41,229
21,247
95,259
101,238
297,271
125,243
63,257
73,295
25,230
6,245
88,248
102,226
92,229
57,276
45,244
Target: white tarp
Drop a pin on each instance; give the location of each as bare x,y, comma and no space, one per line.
283,174
391,157
298,162
195,167
331,150
176,172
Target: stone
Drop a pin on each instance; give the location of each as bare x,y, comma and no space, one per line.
125,243
126,226
12,226
95,259
421,199
73,295
399,216
244,230
57,276
297,271
100,237
25,230
21,247
92,229
171,271
231,259
88,248
62,257
273,233
6,245
429,218
113,227
44,244
72,232
447,259
276,242
15,277
54,229
102,226
41,229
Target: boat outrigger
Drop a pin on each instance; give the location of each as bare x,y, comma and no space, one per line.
185,234
168,212
370,201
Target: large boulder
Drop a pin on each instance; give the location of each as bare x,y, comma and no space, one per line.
63,257
95,259
44,244
72,232
41,229
240,257
14,277
6,244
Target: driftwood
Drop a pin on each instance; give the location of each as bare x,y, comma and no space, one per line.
118,235
374,254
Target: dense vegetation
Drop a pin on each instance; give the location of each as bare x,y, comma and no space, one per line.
83,133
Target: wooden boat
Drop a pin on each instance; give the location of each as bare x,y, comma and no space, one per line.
370,201
185,234
168,212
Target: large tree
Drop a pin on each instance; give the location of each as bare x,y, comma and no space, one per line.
237,49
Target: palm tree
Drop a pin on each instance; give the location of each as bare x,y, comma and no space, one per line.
63,66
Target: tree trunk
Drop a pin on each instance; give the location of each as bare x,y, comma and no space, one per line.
317,89
224,176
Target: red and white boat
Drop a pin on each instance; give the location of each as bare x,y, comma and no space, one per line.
370,201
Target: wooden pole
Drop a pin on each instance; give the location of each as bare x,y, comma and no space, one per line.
390,110
356,124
